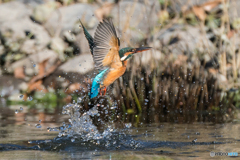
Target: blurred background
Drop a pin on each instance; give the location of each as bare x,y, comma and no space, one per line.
191,74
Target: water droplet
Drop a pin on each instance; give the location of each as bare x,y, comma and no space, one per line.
72,140
40,121
21,108
38,126
30,98
16,111
34,65
146,100
142,79
21,96
128,125
79,100
98,142
194,141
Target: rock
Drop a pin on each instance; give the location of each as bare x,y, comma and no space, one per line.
9,85
23,86
61,82
58,45
28,47
13,11
13,46
29,71
92,23
69,36
139,16
80,64
69,15
184,38
20,30
29,61
14,97
32,3
82,42
42,12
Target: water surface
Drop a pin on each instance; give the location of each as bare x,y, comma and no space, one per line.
22,138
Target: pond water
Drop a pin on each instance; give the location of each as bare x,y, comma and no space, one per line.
23,136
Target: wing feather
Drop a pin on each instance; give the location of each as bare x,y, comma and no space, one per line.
89,38
106,46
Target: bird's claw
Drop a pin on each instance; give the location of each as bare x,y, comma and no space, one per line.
104,91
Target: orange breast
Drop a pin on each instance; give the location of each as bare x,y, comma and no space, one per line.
114,74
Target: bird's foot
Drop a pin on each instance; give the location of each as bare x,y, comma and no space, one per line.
104,91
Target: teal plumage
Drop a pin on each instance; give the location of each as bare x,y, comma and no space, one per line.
109,60
96,84
125,50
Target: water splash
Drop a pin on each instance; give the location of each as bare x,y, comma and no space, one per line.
81,124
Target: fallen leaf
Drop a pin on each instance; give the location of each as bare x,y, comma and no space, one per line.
42,67
42,72
36,86
208,6
199,12
19,73
213,71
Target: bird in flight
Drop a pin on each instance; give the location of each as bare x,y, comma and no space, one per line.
109,60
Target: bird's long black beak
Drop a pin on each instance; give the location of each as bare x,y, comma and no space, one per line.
141,49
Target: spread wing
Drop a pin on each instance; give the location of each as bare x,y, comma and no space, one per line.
106,45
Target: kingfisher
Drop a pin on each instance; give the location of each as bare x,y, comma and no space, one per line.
108,59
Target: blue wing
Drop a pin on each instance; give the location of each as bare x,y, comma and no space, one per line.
96,83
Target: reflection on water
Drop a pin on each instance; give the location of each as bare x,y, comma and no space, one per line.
21,137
